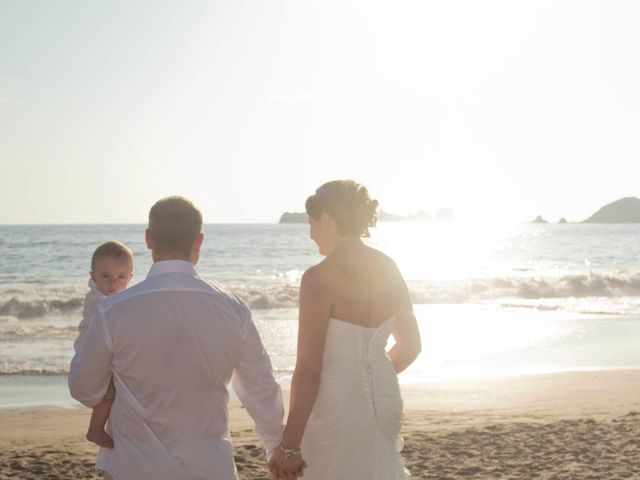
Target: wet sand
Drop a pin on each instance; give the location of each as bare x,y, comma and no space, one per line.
579,425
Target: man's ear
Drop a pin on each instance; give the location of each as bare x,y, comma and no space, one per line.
197,245
147,239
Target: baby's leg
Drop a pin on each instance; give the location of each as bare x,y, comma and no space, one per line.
99,417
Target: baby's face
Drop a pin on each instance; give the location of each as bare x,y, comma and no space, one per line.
112,274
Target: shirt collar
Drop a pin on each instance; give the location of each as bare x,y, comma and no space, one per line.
172,266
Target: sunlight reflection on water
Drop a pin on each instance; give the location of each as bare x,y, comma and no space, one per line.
472,341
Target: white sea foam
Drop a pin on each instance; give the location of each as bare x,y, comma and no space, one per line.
32,304
29,307
569,286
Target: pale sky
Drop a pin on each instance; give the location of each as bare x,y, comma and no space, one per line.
499,109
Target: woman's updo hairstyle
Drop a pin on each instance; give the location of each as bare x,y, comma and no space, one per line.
348,203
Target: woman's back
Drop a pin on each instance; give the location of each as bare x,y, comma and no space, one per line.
363,284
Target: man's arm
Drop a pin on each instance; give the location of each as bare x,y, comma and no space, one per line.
258,391
90,369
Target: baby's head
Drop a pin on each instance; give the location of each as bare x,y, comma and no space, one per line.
111,267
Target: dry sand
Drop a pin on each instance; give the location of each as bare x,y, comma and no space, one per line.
583,425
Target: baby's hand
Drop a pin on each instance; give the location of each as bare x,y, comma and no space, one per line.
100,438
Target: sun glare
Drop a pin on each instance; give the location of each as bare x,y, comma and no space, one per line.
441,250
479,341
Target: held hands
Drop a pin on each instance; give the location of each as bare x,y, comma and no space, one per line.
286,464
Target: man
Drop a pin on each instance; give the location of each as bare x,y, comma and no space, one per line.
172,344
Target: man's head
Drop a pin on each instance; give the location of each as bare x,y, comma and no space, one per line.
111,267
175,230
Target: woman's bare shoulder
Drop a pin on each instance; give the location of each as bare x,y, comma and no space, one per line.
383,261
316,277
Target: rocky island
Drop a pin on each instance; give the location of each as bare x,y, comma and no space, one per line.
294,217
419,216
625,210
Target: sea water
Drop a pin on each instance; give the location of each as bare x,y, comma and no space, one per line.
490,300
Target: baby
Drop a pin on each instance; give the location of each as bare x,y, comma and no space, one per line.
111,270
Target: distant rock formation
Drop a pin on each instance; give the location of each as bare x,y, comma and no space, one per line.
625,210
294,217
445,215
539,219
420,216
563,220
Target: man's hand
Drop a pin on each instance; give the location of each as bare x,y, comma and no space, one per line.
283,468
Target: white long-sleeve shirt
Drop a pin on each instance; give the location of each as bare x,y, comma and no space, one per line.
173,343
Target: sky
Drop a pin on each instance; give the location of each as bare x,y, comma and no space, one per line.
501,110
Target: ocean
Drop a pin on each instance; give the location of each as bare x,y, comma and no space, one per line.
490,300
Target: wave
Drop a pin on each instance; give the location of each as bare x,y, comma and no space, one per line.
33,304
27,333
25,308
10,370
58,366
588,307
282,296
45,372
529,288
28,368
43,303
474,290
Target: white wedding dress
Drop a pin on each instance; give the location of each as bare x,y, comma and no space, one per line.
353,431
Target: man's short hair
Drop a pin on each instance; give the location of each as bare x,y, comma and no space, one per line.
174,224
112,249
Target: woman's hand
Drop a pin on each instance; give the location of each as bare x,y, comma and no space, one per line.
286,467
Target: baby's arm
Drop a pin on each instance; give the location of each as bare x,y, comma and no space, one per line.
99,417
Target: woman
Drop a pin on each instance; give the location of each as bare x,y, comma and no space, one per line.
345,410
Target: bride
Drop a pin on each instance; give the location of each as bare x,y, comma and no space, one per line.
346,410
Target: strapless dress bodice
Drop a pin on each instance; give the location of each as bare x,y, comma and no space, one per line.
353,431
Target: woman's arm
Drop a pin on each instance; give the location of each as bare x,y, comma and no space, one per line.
406,333
315,309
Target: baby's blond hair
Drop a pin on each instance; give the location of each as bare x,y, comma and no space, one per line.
113,249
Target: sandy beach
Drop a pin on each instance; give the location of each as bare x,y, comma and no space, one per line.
578,425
